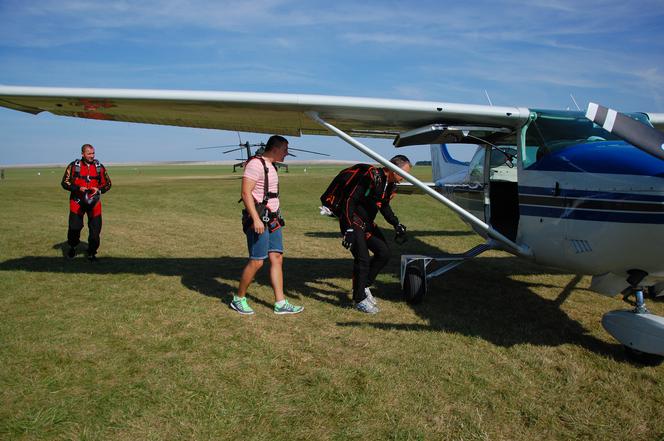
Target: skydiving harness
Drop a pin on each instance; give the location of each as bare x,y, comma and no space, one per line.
273,220
77,174
77,171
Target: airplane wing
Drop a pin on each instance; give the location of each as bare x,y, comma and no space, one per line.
283,114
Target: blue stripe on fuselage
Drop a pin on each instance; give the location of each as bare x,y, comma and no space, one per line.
590,194
610,157
591,215
599,206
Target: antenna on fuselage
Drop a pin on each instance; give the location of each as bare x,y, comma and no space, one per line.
574,101
487,97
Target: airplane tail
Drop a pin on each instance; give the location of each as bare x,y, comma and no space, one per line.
443,165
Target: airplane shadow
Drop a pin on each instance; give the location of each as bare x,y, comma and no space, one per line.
477,299
387,232
498,309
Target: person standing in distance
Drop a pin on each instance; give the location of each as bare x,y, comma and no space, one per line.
263,225
85,179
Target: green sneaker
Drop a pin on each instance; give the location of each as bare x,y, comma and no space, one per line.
287,308
240,305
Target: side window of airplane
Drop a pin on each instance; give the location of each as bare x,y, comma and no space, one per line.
503,155
501,165
476,167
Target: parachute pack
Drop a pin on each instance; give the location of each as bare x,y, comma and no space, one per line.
339,189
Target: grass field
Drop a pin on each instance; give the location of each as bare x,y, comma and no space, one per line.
141,345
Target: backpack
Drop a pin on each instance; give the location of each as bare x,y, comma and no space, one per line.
343,184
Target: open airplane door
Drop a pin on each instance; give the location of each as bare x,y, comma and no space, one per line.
482,187
469,188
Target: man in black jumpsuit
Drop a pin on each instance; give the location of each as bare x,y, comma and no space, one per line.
371,194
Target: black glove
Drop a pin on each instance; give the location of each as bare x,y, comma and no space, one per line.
400,236
349,238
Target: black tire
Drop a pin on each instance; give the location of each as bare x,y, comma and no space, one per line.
650,294
414,288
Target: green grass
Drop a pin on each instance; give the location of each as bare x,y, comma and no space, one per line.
142,344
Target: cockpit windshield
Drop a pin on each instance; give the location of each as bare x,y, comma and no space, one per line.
555,130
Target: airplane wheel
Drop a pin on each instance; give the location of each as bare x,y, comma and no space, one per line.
643,357
650,293
414,288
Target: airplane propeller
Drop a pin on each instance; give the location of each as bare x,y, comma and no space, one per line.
644,137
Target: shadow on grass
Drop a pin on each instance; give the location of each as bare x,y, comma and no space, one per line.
478,299
411,234
500,310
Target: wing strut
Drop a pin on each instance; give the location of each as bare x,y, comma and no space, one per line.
520,250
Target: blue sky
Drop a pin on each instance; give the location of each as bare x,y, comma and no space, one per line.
532,54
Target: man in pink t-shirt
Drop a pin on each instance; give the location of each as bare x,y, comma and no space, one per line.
263,226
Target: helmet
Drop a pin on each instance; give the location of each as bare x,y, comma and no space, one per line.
90,199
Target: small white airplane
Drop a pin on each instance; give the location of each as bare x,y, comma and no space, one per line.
580,192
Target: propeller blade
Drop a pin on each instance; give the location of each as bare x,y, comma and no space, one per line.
646,138
308,151
217,147
233,150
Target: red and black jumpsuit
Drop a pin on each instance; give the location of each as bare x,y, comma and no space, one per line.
371,194
81,174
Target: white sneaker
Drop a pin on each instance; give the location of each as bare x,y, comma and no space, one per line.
324,211
367,307
370,297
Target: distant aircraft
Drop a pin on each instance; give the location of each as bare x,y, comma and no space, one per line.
584,193
261,148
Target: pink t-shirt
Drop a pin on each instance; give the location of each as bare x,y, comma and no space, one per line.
254,171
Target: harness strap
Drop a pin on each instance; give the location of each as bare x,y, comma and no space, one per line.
266,194
77,170
266,183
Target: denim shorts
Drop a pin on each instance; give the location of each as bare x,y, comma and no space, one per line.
261,244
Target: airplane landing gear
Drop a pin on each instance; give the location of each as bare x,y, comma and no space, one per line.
414,285
639,331
415,274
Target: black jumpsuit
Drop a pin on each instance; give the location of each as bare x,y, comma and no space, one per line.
371,194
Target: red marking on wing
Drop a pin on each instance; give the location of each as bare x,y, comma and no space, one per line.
95,115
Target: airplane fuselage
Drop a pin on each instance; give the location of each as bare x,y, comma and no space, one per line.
589,204
595,208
